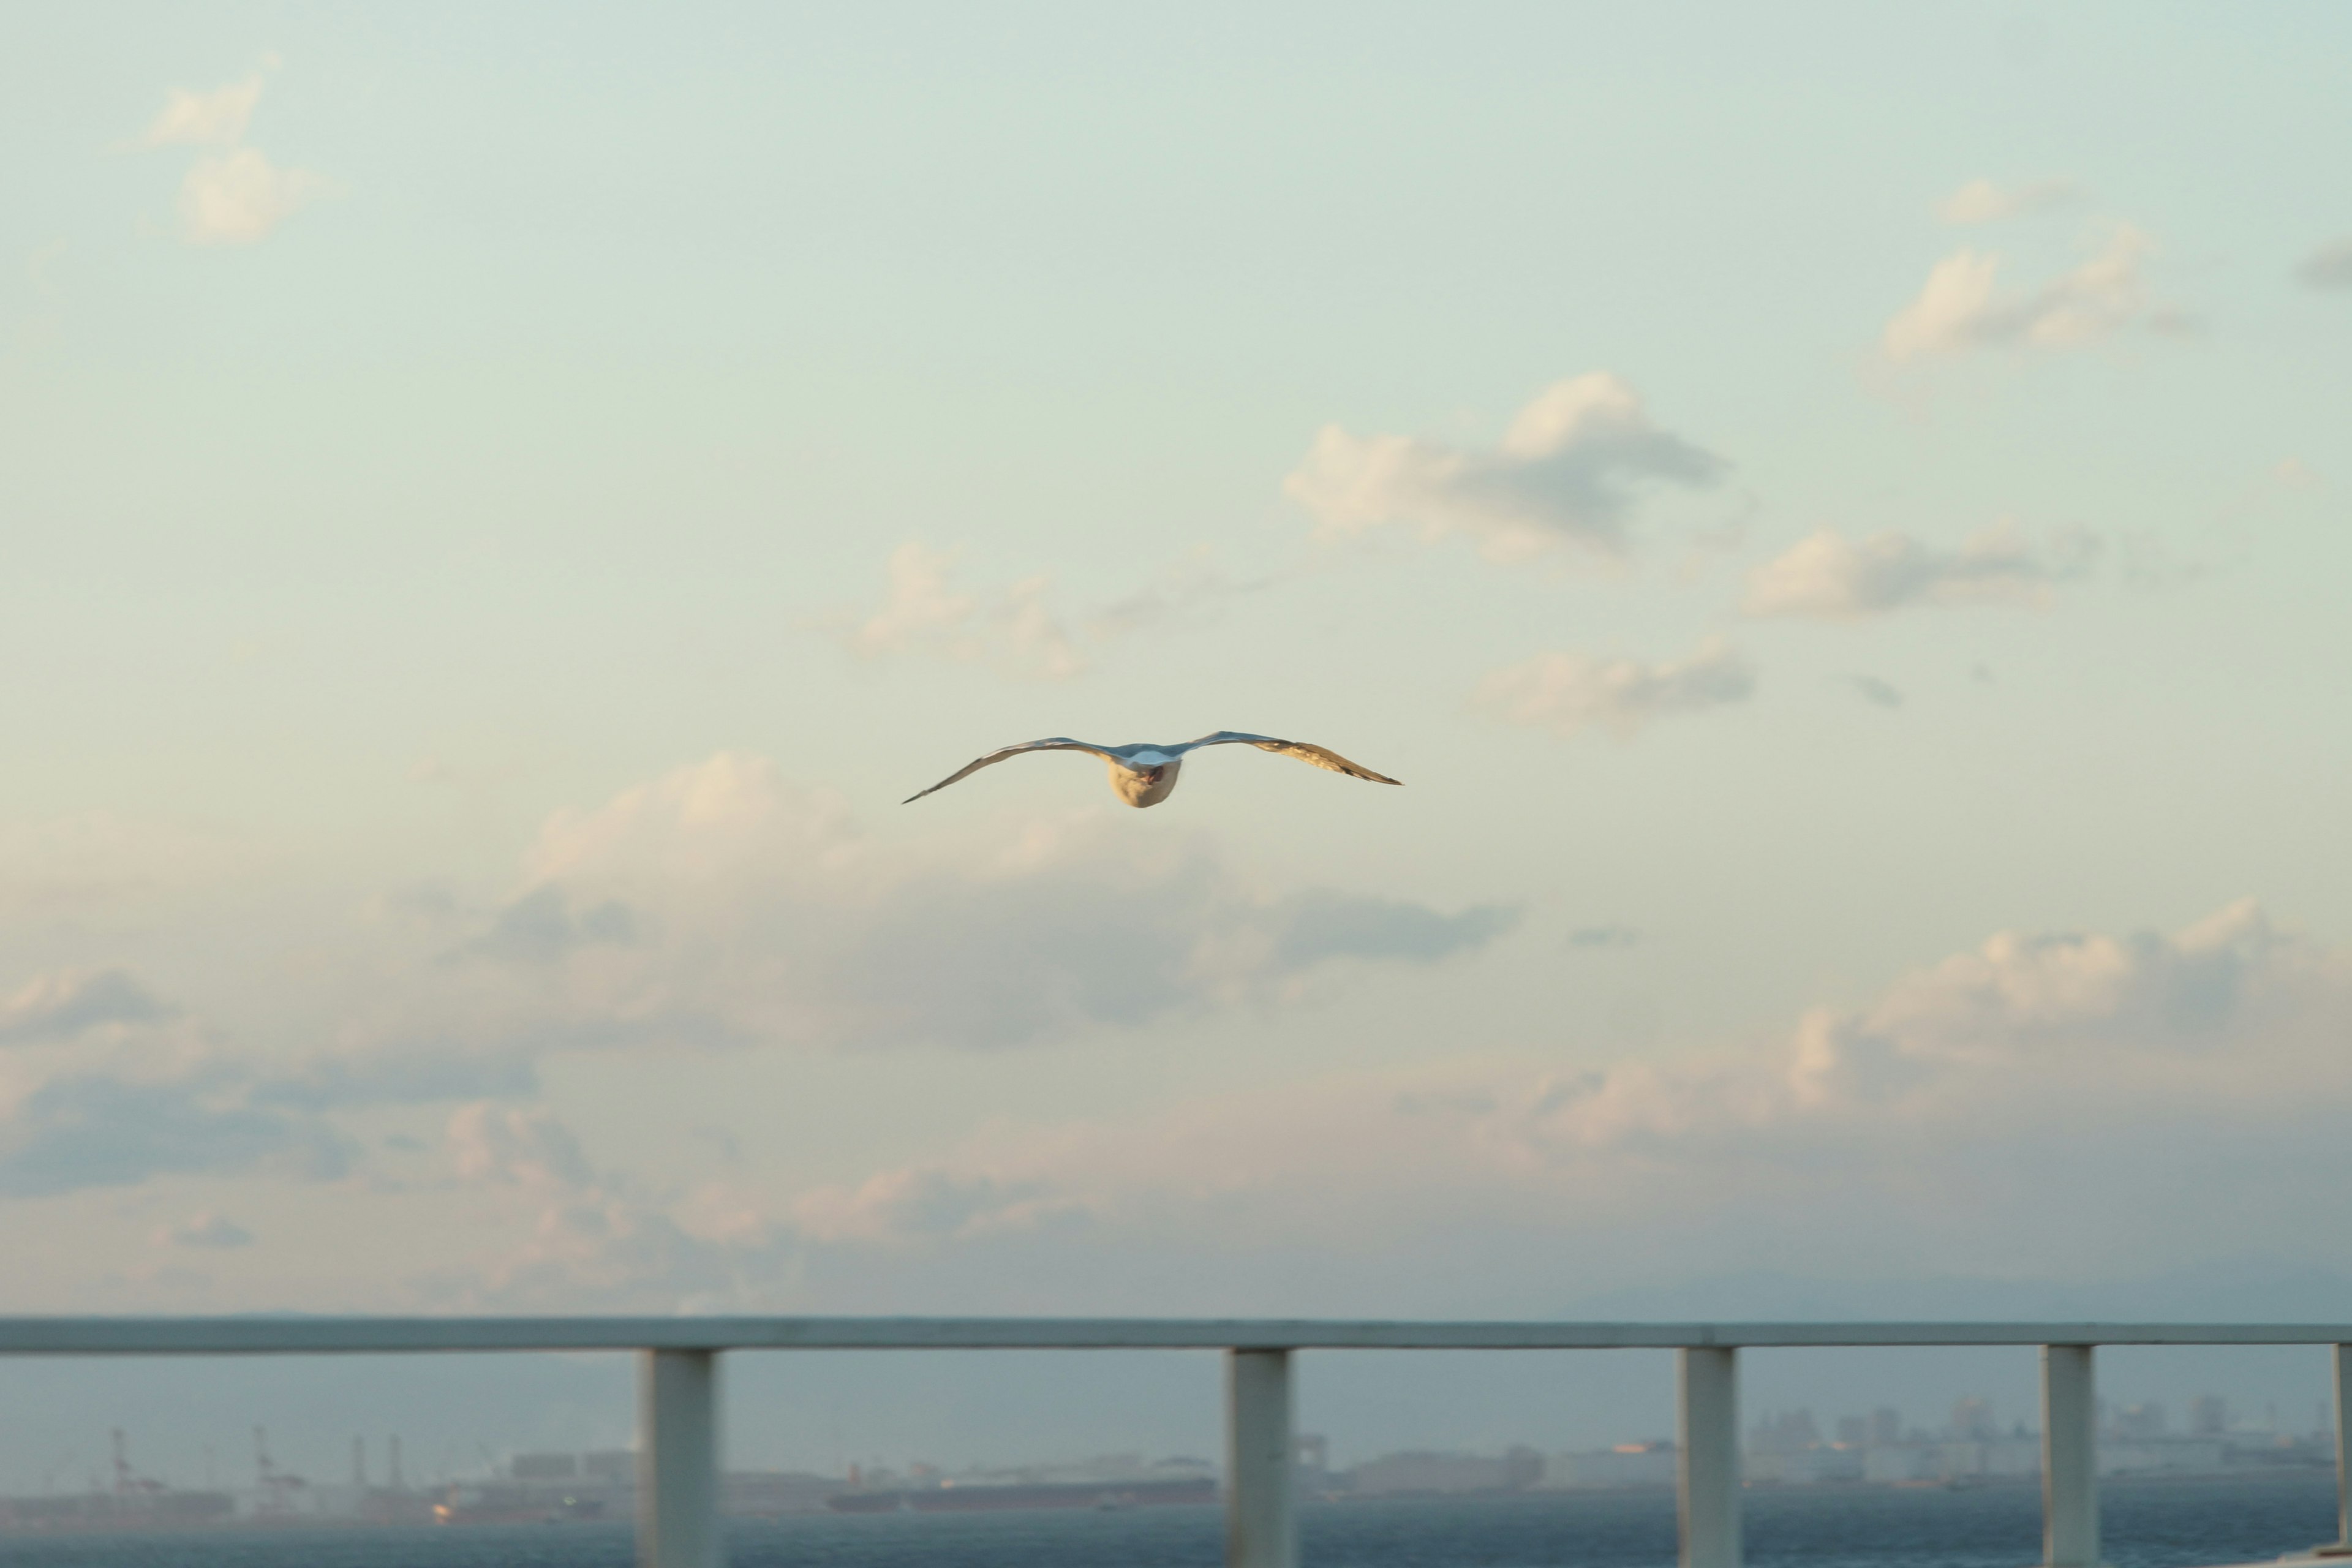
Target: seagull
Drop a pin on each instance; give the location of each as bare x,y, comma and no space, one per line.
1145,775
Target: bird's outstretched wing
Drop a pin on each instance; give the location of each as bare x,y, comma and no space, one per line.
1321,756
1052,744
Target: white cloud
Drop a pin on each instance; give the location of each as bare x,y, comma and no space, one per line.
757,909
688,823
238,197
2228,1011
1568,693
1959,311
926,1204
1831,577
2116,1031
1981,201
1565,473
2329,267
215,118
205,1230
2223,979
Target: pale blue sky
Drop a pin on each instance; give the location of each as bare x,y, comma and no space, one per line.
451,491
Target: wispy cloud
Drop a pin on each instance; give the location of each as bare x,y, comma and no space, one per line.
1324,925
1960,309
2329,267
89,866
114,1128
595,1234
1011,629
525,1147
916,1206
400,1073
60,1006
1828,576
1566,473
1187,593
1982,201
215,118
1568,693
1871,689
1017,630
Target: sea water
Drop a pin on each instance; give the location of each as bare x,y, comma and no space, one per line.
2148,1524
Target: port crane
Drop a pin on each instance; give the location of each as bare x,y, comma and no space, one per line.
276,1485
127,1482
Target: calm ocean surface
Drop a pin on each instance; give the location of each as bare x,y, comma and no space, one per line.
2146,1526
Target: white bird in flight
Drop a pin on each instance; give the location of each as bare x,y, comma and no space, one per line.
1145,775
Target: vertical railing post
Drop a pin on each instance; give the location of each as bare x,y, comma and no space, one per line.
1707,1427
2069,1458
1261,1467
677,1459
2341,1545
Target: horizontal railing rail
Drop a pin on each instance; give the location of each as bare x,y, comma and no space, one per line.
678,1399
275,1334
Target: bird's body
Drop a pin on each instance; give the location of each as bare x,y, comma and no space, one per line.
1145,786
1144,774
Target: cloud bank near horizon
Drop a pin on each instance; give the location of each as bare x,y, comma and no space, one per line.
721,906
1987,1077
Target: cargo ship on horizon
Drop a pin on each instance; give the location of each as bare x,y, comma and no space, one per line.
967,1497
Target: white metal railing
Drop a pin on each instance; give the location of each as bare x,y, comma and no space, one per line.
678,1393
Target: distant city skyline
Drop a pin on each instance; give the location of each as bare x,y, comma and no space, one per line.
1782,1447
